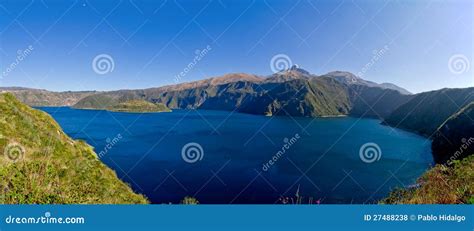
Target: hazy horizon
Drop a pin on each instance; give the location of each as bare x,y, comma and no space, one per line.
108,45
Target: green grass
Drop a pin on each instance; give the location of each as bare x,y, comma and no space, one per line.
40,164
440,185
138,106
189,201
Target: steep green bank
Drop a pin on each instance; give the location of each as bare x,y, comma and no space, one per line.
440,185
452,180
454,139
40,164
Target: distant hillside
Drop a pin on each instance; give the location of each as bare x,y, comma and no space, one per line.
214,81
37,97
42,165
299,97
292,92
454,139
375,101
139,106
395,87
241,89
351,79
425,112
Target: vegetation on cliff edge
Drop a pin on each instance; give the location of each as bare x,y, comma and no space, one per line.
40,164
440,185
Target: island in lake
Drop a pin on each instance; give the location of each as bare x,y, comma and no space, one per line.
139,106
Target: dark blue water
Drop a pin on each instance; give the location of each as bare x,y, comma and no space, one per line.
324,163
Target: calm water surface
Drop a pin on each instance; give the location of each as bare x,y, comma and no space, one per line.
324,162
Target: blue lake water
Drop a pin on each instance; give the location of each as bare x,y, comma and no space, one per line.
319,158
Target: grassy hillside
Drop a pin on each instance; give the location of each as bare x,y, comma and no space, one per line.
427,111
40,164
440,185
454,139
139,106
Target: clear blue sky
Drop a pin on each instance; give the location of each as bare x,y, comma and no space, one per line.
153,41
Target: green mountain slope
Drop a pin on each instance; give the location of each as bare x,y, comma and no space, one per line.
40,164
454,139
427,111
298,97
374,101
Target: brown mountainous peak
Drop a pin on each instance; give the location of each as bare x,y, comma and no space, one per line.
292,73
234,77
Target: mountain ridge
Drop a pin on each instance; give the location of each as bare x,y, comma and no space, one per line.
298,95
294,72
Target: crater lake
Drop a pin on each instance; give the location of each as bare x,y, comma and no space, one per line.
221,157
